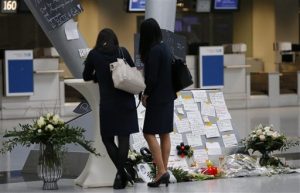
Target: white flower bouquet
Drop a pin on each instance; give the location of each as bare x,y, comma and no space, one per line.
47,129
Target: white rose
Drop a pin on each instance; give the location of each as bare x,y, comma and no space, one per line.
132,157
50,127
262,137
267,128
55,119
259,131
275,135
39,131
269,133
41,122
49,115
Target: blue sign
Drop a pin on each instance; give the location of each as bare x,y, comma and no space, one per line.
226,4
213,71
136,5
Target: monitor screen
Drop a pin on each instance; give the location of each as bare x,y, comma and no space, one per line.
226,5
136,5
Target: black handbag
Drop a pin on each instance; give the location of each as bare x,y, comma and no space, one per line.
181,75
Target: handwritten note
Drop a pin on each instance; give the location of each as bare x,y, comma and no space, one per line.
200,96
200,155
177,162
183,126
229,140
222,112
213,148
224,125
208,109
194,140
217,98
71,31
176,139
191,107
211,131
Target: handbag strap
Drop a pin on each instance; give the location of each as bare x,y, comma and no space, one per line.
121,53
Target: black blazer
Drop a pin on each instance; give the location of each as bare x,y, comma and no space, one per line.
158,75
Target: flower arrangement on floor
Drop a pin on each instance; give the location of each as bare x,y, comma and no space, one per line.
266,139
51,133
184,150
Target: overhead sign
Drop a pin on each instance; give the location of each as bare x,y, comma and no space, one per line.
9,6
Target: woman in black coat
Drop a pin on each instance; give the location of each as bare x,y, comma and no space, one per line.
158,97
118,116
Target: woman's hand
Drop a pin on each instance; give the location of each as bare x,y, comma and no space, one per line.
144,100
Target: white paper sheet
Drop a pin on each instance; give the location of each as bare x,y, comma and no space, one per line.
211,131
176,139
213,148
222,112
183,125
137,146
141,124
200,155
178,101
197,126
137,137
200,96
177,162
208,109
194,140
224,125
71,31
193,115
229,140
217,98
191,107
206,119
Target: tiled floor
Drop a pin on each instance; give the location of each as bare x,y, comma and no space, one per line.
285,119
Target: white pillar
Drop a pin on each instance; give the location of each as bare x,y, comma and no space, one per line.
163,11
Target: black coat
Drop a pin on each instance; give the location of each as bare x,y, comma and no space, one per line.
158,75
118,114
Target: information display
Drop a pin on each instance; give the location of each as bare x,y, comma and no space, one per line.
55,13
18,72
9,6
211,70
226,4
136,5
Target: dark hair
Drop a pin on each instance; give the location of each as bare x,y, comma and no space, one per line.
107,41
150,34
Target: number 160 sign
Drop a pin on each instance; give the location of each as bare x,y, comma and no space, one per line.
9,6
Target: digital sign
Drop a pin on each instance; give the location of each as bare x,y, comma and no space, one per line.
136,5
226,4
9,6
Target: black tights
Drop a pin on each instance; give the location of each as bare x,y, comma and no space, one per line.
118,154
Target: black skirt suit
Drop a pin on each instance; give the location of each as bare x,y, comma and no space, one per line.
158,78
118,116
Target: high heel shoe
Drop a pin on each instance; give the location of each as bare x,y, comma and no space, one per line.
164,179
128,176
119,182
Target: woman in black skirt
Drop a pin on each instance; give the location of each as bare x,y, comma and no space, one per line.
118,116
158,97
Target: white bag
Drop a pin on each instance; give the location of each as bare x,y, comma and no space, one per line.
127,78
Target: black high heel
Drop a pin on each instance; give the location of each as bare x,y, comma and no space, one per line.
119,182
164,179
128,177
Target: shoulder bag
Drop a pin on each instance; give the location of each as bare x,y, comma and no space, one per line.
181,75
125,77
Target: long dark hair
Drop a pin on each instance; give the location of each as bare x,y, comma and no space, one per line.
150,34
107,41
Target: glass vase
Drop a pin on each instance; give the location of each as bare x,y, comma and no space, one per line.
265,158
50,165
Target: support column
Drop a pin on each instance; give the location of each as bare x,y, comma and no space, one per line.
163,11
68,50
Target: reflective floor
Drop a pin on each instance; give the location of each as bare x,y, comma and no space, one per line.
285,119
